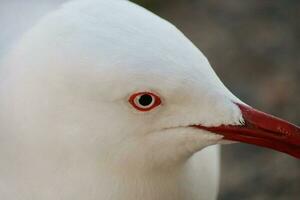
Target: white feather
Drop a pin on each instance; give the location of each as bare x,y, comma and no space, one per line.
67,129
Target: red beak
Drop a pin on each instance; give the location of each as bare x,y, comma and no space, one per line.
263,130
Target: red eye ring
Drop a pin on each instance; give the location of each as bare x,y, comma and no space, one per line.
144,101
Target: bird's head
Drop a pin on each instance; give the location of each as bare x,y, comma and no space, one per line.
123,87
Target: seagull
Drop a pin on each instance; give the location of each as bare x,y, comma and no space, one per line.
103,100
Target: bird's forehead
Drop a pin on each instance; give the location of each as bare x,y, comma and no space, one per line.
117,40
114,33
117,44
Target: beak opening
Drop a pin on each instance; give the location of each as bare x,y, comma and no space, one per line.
263,130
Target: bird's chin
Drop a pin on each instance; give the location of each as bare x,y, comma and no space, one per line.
181,141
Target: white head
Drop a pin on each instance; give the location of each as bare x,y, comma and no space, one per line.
76,70
68,83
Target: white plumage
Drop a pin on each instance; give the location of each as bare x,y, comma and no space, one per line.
67,129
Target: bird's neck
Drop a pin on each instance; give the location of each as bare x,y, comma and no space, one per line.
61,175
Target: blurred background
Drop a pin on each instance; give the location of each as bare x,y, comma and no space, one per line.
254,46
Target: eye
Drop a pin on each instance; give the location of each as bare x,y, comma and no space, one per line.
144,101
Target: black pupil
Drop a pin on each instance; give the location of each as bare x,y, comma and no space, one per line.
145,100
